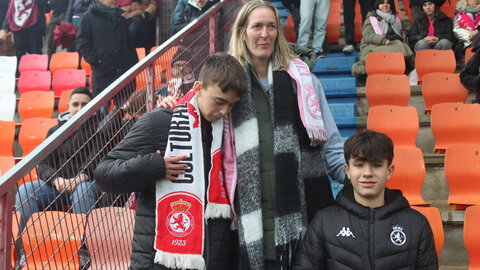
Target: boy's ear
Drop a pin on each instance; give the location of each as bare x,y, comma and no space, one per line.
197,86
347,170
391,169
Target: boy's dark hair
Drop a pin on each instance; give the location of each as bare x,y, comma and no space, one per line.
370,146
225,71
82,90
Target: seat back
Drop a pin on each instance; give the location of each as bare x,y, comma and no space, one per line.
7,137
7,82
36,104
64,60
52,239
409,174
34,81
109,234
435,219
399,123
468,54
67,79
6,163
432,60
455,123
440,87
85,66
37,62
462,171
141,53
63,101
33,132
8,102
375,63
387,89
471,235
8,64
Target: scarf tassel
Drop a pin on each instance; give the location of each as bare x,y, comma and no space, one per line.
215,210
179,261
286,254
316,135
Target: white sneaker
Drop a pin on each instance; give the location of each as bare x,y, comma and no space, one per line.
348,49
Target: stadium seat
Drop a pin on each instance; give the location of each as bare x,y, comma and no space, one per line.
387,89
141,53
108,237
462,171
333,27
67,79
431,60
6,163
63,101
7,82
442,87
8,64
33,62
375,63
468,54
33,132
455,123
449,10
399,123
7,137
63,60
86,66
435,219
471,235
52,239
34,81
409,174
36,104
8,103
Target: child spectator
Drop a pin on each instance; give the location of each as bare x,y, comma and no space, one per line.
188,195
370,226
465,23
192,10
433,30
470,75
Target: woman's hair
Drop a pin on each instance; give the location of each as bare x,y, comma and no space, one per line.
461,6
281,52
436,12
393,9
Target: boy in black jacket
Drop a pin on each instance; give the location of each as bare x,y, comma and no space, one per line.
370,226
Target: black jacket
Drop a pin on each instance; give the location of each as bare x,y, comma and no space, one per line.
188,14
348,235
470,75
443,29
103,40
133,166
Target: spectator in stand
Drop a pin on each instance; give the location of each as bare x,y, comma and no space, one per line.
294,7
433,30
383,32
349,21
470,75
59,8
416,7
192,10
466,22
76,9
66,178
316,10
181,4
140,15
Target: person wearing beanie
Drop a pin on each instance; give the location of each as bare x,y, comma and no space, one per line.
383,31
470,75
433,30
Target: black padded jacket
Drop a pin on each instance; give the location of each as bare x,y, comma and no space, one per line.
443,29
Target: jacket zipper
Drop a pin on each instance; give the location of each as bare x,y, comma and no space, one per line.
371,247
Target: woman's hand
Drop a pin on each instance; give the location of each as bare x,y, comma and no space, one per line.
432,40
387,42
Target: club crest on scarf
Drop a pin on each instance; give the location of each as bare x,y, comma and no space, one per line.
180,222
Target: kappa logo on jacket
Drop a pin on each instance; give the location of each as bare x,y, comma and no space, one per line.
345,232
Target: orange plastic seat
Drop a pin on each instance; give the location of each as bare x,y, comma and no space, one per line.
289,30
34,81
375,63
67,79
141,53
7,137
442,87
468,54
409,174
63,101
63,60
449,10
455,123
333,27
397,122
85,66
33,132
358,26
52,240
38,62
108,237
6,163
435,219
462,164
387,89
432,60
36,104
471,235
15,231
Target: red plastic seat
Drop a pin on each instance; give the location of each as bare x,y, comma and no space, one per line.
375,63
468,54
409,174
85,66
141,53
333,26
387,89
462,171
6,163
33,132
63,101
399,123
432,60
442,87
455,123
471,235
36,104
38,62
67,79
7,137
435,219
64,60
34,81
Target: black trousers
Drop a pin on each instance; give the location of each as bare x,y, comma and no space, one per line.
27,42
349,17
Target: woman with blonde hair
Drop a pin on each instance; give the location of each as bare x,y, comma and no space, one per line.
465,23
286,142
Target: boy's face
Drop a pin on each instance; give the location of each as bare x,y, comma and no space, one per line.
109,3
77,102
213,103
368,180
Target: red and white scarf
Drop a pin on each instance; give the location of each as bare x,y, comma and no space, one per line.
22,14
180,209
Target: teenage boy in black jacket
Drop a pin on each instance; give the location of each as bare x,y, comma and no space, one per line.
370,226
